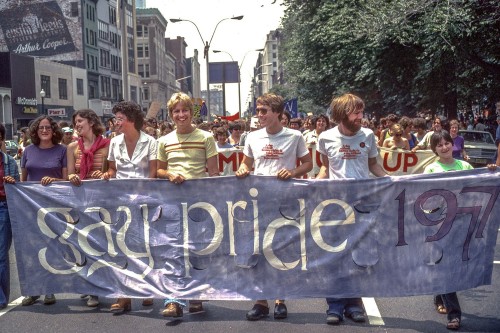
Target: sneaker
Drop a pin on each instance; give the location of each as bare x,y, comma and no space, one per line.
3,306
49,299
29,300
333,319
172,310
93,301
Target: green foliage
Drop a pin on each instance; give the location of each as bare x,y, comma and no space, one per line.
398,55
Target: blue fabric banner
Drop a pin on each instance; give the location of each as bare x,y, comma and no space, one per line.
258,237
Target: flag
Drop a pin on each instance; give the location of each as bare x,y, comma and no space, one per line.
291,106
232,117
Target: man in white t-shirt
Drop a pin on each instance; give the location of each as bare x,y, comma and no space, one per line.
347,151
273,150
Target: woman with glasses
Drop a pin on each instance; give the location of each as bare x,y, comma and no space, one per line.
44,161
397,140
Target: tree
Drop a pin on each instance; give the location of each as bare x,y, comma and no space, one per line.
399,56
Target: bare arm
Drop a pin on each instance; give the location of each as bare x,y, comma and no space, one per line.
163,173
70,156
324,170
245,167
375,168
213,166
153,168
111,172
304,167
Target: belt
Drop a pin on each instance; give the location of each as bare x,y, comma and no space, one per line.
2,199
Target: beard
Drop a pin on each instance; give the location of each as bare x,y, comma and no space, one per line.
352,126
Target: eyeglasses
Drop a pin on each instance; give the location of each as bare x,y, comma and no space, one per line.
261,111
437,123
45,128
398,134
119,120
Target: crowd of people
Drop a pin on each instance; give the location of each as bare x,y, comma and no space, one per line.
133,146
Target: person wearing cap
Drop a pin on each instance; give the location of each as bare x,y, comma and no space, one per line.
67,135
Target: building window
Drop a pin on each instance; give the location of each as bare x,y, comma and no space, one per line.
45,84
105,86
105,62
143,70
63,88
103,30
274,55
93,85
74,9
79,86
143,50
112,15
115,89
145,92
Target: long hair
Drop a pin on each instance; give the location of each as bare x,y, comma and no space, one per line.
91,116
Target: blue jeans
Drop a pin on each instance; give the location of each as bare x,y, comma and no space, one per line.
338,306
5,241
450,302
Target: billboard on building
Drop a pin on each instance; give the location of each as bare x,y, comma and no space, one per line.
49,29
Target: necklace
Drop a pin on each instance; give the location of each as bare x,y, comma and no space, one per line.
187,138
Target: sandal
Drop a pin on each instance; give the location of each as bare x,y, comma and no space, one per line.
441,309
453,324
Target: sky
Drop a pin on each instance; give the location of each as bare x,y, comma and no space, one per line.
235,37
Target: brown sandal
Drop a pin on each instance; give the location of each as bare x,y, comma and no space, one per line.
441,309
453,324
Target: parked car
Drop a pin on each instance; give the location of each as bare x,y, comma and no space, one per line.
12,147
480,146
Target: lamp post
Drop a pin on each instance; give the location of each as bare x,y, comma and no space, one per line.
42,95
206,51
239,73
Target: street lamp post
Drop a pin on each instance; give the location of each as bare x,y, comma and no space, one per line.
239,73
207,51
42,95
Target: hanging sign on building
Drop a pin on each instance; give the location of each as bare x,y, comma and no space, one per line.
61,112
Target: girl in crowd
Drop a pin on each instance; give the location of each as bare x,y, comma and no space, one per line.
397,140
87,156
44,161
441,143
132,154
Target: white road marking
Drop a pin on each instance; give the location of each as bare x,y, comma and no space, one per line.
496,262
371,308
11,305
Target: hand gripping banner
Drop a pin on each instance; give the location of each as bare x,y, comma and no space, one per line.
258,237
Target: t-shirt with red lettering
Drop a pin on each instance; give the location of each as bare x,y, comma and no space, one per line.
273,152
348,155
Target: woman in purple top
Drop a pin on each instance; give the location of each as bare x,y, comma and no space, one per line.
458,142
44,161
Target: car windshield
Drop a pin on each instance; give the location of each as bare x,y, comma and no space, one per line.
477,137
